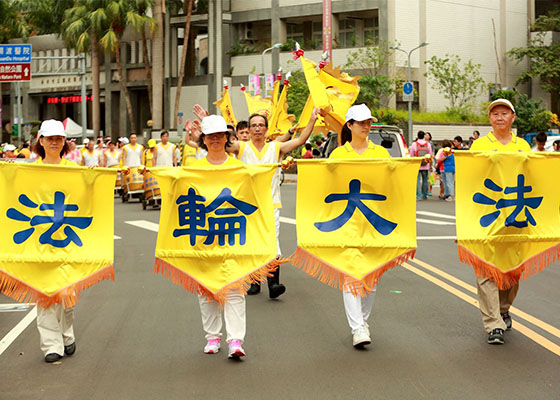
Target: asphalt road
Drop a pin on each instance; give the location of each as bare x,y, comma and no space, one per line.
140,337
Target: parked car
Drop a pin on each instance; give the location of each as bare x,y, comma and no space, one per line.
387,136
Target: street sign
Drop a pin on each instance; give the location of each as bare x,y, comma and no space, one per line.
180,118
15,62
408,91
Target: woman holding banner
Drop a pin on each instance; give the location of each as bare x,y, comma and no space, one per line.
55,323
355,144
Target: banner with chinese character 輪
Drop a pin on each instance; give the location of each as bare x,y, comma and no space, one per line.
57,231
355,219
508,213
216,229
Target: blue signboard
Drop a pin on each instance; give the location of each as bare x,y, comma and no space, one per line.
15,53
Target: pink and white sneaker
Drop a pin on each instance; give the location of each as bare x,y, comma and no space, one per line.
235,350
213,346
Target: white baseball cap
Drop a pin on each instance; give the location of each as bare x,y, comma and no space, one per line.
52,127
124,140
360,112
9,147
213,124
86,141
501,102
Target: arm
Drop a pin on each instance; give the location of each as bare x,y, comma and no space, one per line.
200,112
192,133
286,136
154,159
302,138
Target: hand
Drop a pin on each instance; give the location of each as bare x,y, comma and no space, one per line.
200,112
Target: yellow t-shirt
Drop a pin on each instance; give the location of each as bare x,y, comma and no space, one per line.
490,143
189,155
149,158
63,161
25,152
203,162
372,151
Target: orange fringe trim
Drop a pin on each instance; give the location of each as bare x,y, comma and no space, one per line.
330,275
180,277
505,280
68,296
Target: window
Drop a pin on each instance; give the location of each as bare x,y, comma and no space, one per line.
295,32
347,33
371,31
317,35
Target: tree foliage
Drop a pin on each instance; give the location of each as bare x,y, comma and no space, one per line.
297,94
531,116
459,82
12,23
544,54
44,16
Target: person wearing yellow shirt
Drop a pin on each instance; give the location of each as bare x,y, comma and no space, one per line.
356,145
495,303
150,153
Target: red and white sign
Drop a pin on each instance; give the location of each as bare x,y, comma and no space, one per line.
327,28
67,99
15,72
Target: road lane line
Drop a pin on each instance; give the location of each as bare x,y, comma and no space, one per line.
115,237
151,226
434,222
287,220
527,317
432,214
524,330
15,307
17,330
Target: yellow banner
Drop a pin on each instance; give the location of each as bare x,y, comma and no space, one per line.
355,219
224,104
508,213
57,231
280,122
216,229
256,105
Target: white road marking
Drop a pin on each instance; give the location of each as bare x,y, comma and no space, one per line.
436,238
15,307
116,237
17,330
151,226
434,222
432,214
287,220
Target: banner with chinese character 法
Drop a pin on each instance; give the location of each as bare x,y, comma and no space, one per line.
216,229
355,219
57,231
508,213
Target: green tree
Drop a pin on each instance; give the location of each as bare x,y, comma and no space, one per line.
544,56
375,84
297,94
44,16
459,82
531,116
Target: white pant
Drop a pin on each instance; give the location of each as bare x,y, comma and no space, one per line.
56,328
358,309
277,225
234,314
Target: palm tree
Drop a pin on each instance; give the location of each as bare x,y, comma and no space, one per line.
157,66
183,60
139,21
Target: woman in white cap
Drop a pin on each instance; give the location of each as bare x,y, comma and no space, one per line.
356,145
55,323
214,139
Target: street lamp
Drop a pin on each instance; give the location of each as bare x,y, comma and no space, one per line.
409,80
275,46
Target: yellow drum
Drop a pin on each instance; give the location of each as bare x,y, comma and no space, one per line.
151,186
133,181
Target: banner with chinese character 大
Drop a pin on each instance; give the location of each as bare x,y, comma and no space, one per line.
57,231
355,219
216,229
508,213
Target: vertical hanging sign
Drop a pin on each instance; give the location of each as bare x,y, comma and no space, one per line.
327,28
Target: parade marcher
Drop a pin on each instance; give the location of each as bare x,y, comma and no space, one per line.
214,139
242,131
55,323
356,145
259,151
91,157
191,149
25,150
420,148
111,156
150,154
495,303
132,153
74,155
9,151
165,152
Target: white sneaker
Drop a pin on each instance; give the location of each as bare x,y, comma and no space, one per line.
361,338
213,346
235,350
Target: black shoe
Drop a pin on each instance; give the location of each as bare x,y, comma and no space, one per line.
496,336
70,349
275,291
52,357
507,319
254,289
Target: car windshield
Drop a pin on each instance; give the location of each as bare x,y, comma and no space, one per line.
387,140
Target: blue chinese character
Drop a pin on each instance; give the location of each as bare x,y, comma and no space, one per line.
520,203
193,215
57,221
355,198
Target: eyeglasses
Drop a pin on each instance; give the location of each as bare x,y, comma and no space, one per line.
257,126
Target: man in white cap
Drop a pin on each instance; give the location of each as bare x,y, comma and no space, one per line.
495,303
9,151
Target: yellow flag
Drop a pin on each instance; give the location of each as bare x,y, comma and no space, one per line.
280,121
275,92
224,104
355,219
256,105
508,213
57,231
317,89
216,229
